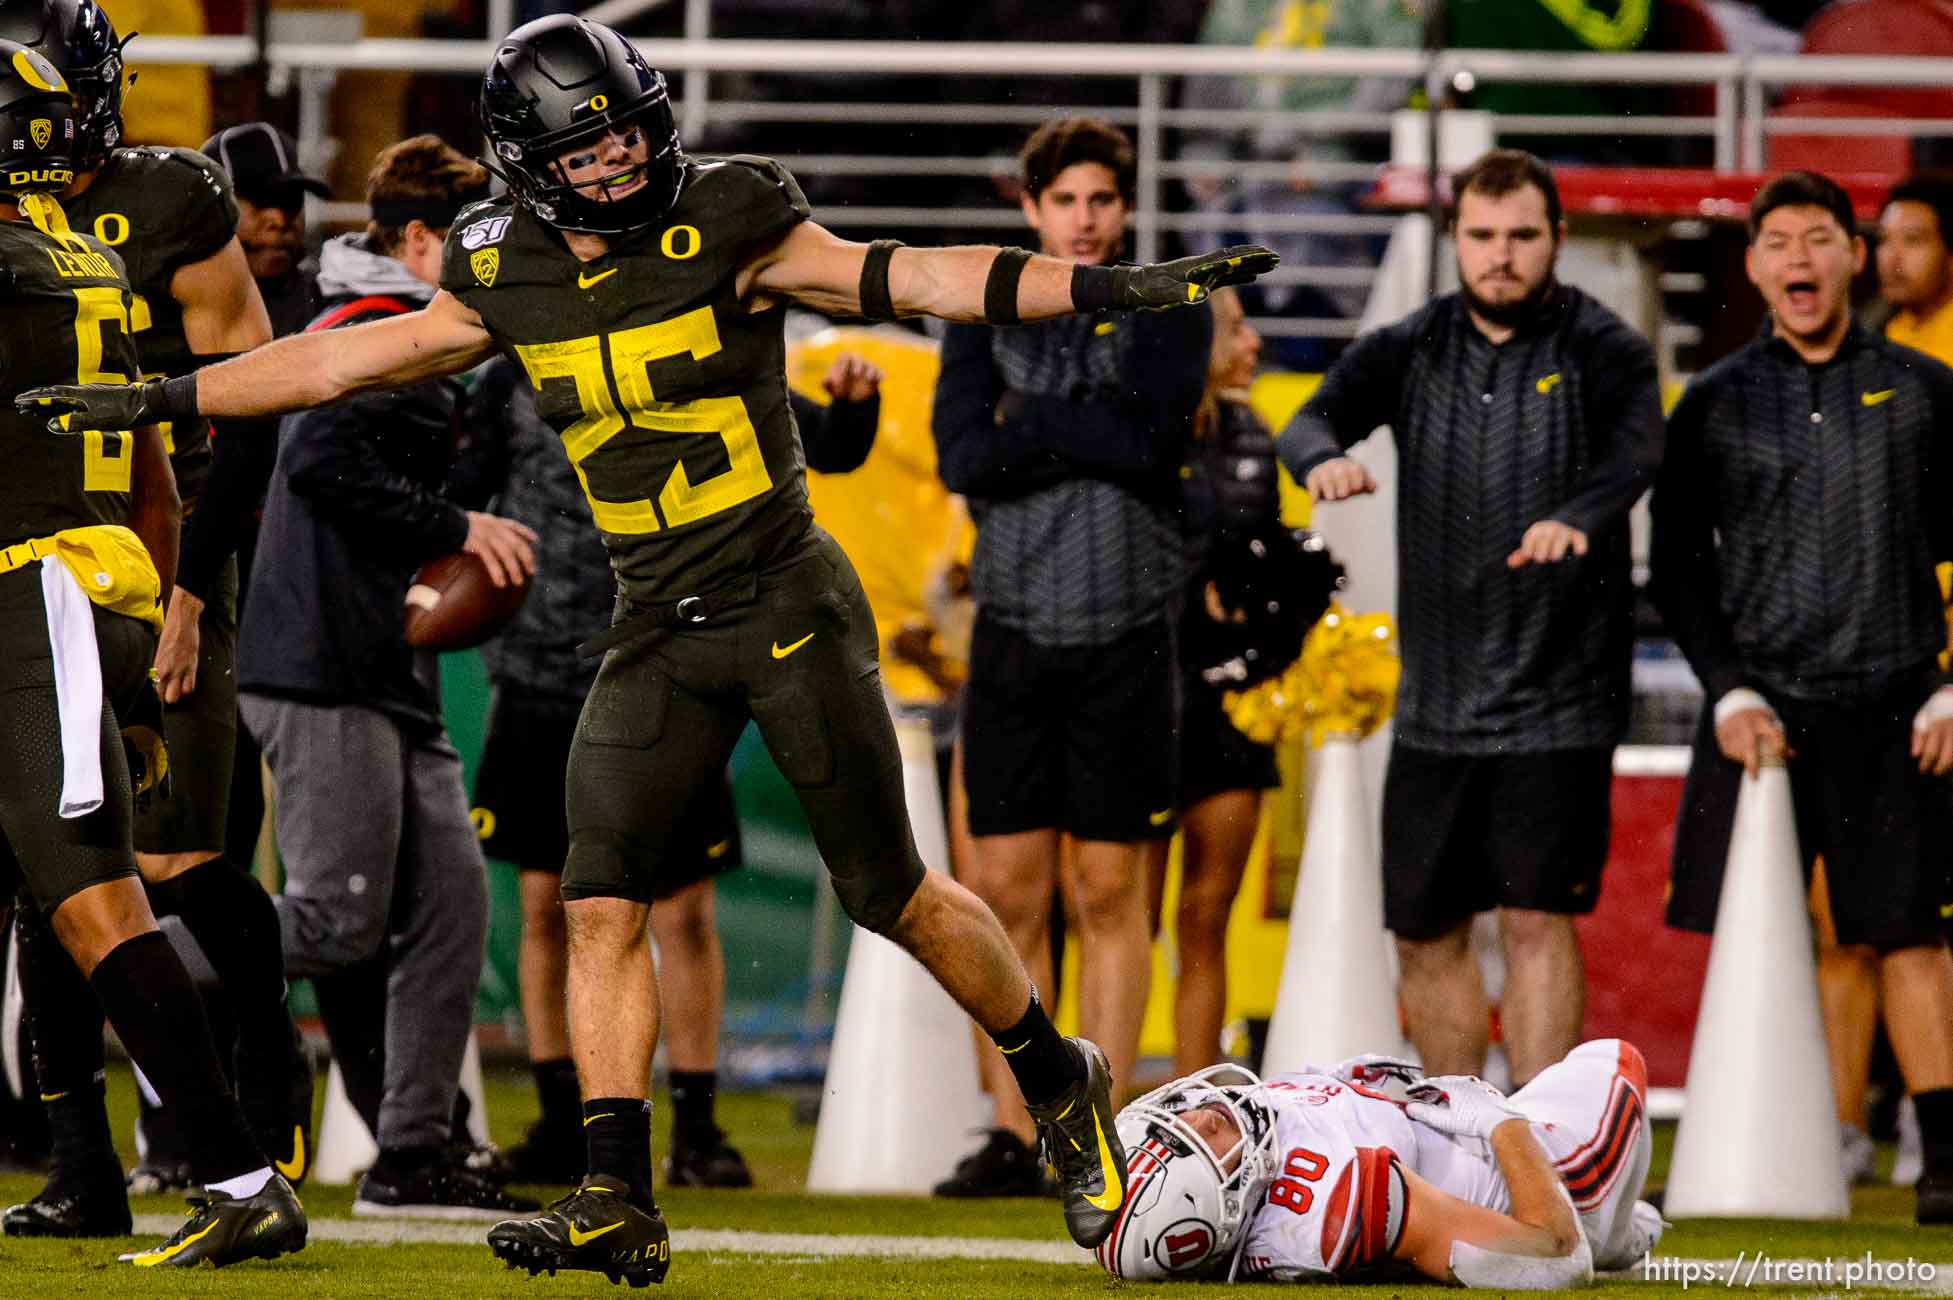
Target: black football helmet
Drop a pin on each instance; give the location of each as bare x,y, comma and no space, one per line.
79,40
562,81
37,124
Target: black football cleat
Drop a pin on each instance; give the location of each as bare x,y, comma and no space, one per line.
712,1162
102,1212
224,1229
1082,1143
595,1228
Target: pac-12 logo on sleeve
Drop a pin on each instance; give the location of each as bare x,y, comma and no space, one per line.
484,233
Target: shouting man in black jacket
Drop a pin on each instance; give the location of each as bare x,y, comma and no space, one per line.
384,874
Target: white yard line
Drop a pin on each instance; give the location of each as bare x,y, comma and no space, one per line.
1708,1274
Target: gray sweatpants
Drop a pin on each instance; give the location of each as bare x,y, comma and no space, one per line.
382,861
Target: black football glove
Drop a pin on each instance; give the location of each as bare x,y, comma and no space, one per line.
1156,286
71,407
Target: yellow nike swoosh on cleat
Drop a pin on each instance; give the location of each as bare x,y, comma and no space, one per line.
585,281
781,652
1873,399
54,1096
293,1169
585,1238
1114,1194
164,1254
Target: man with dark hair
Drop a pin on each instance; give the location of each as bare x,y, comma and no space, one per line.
1796,523
1527,422
1915,267
1067,438
644,292
386,911
262,162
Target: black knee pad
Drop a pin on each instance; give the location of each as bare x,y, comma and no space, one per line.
873,896
602,864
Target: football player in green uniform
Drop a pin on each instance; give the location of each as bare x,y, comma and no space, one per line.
170,217
84,521
644,292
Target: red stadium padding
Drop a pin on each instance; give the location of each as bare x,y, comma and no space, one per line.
1644,980
1657,192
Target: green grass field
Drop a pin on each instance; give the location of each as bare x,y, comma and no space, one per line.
778,1149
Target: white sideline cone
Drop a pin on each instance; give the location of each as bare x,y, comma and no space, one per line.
1759,1132
345,1149
1338,995
901,1090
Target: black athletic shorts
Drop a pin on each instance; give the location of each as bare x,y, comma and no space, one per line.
1073,738
56,857
801,660
1465,833
520,796
1213,755
201,731
1885,830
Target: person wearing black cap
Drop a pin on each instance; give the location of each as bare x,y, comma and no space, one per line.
271,187
340,703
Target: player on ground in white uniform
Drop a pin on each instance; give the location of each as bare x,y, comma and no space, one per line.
1370,1165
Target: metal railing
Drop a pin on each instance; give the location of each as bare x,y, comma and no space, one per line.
1734,135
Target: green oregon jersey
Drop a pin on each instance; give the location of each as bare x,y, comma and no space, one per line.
66,319
670,396
161,210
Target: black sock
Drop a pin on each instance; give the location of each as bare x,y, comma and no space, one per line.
157,1015
1935,1110
618,1133
1044,1063
692,1094
556,1089
353,1006
65,1023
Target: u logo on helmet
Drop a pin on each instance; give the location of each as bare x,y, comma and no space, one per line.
1185,1244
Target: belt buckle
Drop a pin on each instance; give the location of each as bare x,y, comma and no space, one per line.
691,610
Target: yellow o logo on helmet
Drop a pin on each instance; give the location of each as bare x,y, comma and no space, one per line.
38,72
598,103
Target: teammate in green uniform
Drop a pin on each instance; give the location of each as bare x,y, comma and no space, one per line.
170,217
83,521
644,292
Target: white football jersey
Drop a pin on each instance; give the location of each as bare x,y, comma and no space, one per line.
1336,1204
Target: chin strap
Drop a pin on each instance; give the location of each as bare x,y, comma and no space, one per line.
46,214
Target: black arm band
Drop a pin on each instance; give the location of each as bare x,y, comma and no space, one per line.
179,398
1000,288
875,302
1091,288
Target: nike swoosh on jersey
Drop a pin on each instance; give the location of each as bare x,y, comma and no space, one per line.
1873,399
781,652
1546,383
578,1238
585,281
1160,818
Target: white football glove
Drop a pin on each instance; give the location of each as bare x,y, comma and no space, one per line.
1463,1105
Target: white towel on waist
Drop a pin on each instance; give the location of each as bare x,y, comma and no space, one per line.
77,686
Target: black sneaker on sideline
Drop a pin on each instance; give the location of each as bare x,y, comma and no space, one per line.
224,1230
100,1211
1935,1203
548,1154
597,1228
1081,1141
160,1177
711,1163
1002,1166
438,1189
